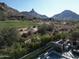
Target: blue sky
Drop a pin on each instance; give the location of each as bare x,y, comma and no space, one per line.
47,7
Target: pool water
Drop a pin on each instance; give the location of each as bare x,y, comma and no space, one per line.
54,56
51,56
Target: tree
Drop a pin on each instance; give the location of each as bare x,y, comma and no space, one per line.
2,15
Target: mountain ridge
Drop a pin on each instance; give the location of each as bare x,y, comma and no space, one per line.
66,15
11,13
34,14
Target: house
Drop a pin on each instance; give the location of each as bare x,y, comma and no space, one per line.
16,17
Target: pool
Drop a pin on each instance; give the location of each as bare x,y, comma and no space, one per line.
51,55
54,56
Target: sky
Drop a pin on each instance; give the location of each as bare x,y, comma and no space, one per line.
44,7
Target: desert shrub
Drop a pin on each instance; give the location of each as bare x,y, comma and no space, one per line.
8,36
17,51
59,36
37,41
45,39
74,35
44,28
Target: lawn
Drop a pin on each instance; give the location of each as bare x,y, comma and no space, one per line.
16,23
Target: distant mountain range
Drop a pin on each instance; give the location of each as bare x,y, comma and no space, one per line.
11,13
66,15
7,12
34,14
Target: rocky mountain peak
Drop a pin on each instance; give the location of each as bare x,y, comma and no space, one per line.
2,3
32,11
